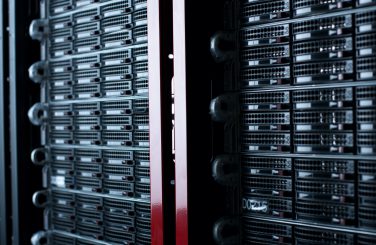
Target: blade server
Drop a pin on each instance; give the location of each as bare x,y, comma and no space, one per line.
94,122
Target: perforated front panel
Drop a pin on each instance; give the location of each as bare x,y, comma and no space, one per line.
96,133
307,141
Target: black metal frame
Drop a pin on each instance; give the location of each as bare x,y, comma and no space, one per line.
4,151
25,179
196,79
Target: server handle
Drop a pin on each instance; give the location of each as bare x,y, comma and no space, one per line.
40,199
226,231
38,113
226,170
222,46
223,108
39,156
38,29
38,71
39,238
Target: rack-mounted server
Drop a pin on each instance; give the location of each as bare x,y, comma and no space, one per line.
94,119
300,117
291,161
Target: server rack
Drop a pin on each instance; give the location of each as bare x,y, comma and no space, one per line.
294,109
286,156
105,169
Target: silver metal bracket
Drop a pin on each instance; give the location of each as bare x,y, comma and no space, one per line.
40,199
38,29
38,71
39,156
38,113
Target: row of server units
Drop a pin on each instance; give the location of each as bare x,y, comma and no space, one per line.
298,106
94,120
300,119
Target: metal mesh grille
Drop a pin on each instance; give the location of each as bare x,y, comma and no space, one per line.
305,128
97,73
302,7
308,235
254,12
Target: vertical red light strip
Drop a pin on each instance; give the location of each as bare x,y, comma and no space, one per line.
181,161
155,119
